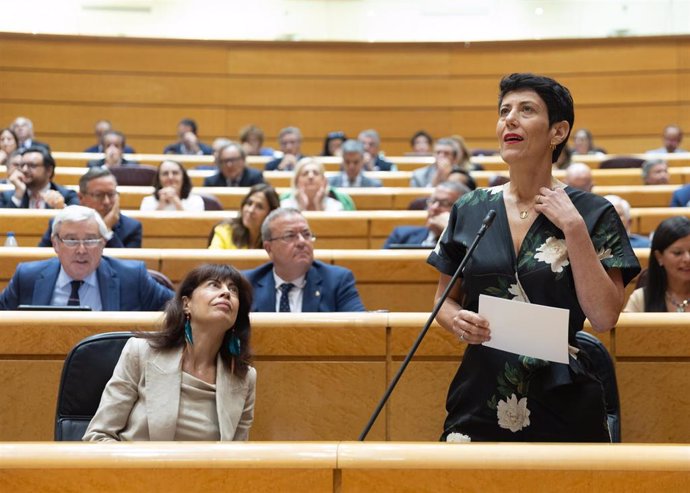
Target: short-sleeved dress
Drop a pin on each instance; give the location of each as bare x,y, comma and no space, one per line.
501,396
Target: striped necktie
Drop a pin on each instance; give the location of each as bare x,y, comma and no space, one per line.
74,295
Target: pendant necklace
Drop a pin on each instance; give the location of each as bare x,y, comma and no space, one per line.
524,214
680,305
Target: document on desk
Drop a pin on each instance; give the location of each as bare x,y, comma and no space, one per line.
525,328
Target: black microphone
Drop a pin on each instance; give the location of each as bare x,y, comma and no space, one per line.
488,220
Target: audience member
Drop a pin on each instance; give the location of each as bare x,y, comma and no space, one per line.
462,158
579,175
668,273
353,163
190,380
332,143
98,190
438,210
188,140
8,144
622,207
293,281
564,159
14,161
99,130
421,143
290,140
244,230
114,144
232,169
583,143
172,190
463,177
672,137
252,140
23,128
33,188
655,172
681,197
446,152
373,158
80,275
310,191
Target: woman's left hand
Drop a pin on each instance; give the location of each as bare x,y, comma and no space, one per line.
557,207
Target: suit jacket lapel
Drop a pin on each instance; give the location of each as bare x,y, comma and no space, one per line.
109,286
266,292
312,291
163,384
228,400
45,283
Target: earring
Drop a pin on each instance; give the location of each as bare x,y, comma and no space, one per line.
188,331
552,146
234,344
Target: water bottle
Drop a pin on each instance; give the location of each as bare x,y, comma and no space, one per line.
11,240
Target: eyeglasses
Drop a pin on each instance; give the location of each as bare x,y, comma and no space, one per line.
294,237
230,160
441,203
101,196
73,243
31,166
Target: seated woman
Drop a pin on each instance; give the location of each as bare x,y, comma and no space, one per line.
421,144
8,144
332,143
244,231
668,274
172,190
191,380
310,191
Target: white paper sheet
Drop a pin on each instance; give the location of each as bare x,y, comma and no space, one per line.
525,328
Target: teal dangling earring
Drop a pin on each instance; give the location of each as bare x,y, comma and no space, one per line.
188,331
234,344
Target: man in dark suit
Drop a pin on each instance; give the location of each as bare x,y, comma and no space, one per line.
681,197
373,160
232,169
99,130
98,190
293,281
114,144
81,275
290,141
24,130
188,142
438,210
33,188
353,163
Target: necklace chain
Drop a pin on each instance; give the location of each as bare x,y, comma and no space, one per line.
680,305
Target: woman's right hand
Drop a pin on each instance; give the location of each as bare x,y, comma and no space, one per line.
470,327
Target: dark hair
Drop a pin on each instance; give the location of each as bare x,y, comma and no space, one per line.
421,133
668,232
338,135
48,160
557,98
240,233
171,334
118,133
14,135
94,173
189,123
468,180
186,181
251,130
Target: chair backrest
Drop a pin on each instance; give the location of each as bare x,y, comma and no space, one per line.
418,204
605,371
211,203
642,279
621,162
88,367
161,279
135,176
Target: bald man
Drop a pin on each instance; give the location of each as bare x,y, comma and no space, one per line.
578,175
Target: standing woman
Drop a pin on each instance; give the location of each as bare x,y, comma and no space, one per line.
172,190
549,244
191,380
668,275
244,231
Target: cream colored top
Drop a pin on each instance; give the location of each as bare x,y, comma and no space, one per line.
197,418
635,302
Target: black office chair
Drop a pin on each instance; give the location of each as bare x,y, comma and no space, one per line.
605,370
211,203
88,367
135,176
621,162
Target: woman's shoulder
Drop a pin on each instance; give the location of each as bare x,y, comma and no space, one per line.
635,302
149,203
481,195
194,203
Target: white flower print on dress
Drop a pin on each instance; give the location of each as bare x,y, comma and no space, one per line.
457,438
517,293
554,253
604,254
512,414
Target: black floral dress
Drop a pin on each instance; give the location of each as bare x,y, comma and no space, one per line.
500,396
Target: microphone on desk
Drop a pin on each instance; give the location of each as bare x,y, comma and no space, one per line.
486,223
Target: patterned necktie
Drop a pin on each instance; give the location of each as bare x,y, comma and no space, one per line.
74,295
284,300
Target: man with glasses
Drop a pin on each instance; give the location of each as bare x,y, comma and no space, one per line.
290,141
438,210
98,190
33,188
232,169
80,275
293,281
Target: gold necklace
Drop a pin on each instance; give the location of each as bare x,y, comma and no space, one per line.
524,214
680,305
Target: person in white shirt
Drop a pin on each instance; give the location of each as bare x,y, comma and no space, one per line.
172,190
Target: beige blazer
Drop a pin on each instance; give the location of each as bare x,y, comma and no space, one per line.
141,400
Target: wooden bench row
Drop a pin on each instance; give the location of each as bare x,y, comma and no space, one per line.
320,375
392,280
354,229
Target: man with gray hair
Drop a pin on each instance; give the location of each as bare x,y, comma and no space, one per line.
373,159
232,169
655,172
290,141
293,281
24,130
446,151
622,207
353,162
80,275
